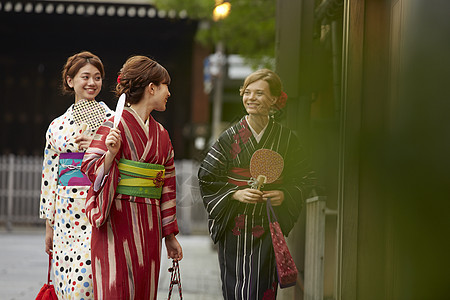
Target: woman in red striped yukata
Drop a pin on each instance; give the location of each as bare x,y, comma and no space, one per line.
132,201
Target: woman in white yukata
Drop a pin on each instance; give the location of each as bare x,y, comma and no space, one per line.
64,187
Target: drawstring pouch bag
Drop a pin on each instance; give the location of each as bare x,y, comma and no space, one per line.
175,279
286,268
47,292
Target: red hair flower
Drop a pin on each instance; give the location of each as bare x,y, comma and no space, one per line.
281,102
118,78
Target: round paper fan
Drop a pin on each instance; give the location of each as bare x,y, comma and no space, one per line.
89,112
266,163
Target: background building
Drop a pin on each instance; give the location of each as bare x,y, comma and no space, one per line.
368,87
367,82
38,36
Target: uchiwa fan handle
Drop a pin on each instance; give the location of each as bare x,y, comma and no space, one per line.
83,127
260,181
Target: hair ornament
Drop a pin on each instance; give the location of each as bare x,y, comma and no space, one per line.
282,99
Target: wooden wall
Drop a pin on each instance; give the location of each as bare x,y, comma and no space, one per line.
382,154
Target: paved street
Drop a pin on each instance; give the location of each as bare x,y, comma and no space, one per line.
23,267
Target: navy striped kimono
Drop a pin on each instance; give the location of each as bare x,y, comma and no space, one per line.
246,256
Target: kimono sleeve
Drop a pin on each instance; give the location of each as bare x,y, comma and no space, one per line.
49,182
216,191
102,191
168,195
299,180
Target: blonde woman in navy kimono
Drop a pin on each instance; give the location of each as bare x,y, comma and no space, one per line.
237,217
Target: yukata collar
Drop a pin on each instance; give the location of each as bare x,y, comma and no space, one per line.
137,116
257,136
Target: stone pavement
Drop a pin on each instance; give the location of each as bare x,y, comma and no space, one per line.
23,266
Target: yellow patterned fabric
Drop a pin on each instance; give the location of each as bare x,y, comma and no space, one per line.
140,179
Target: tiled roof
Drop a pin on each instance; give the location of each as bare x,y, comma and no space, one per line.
136,9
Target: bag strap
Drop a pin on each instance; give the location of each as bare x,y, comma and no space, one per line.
175,278
270,212
49,268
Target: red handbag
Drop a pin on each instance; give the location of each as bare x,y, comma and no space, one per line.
286,268
47,292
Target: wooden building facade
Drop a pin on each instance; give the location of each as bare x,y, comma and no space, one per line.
368,91
38,36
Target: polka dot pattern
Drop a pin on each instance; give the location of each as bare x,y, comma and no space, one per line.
71,246
64,207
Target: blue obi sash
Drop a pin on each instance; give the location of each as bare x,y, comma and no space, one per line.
69,171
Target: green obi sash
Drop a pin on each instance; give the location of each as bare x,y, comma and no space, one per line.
140,179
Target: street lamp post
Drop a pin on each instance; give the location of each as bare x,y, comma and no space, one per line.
220,12
220,61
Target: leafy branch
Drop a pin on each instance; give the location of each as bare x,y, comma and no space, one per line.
248,30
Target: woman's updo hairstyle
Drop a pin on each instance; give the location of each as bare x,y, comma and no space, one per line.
75,63
268,76
136,74
275,86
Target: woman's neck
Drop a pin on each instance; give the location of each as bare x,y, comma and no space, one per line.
258,123
142,110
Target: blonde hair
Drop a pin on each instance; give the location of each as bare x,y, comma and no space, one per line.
268,76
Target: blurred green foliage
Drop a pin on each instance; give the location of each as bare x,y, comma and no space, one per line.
248,30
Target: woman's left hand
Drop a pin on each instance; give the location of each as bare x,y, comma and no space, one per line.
174,250
83,141
276,197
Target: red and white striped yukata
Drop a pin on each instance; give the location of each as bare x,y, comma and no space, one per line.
127,230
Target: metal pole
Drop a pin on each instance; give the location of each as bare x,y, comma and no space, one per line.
9,205
218,92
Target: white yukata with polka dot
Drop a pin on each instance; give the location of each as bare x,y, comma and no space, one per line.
64,207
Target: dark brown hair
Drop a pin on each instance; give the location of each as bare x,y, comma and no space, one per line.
268,76
75,63
136,74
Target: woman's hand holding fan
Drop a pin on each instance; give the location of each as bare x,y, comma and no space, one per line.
266,166
248,195
113,139
83,140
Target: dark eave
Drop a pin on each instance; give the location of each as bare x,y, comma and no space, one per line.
137,9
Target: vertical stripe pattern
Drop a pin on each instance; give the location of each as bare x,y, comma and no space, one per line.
127,230
246,253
